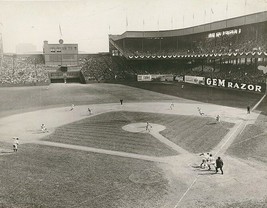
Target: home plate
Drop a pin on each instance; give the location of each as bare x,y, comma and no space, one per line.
141,127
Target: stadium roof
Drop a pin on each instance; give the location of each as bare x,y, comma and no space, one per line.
214,26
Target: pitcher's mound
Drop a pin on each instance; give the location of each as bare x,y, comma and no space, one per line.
141,127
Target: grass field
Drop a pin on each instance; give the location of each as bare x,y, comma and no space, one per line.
54,177
105,131
252,143
47,176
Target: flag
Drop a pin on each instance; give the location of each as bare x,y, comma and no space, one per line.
126,21
60,31
211,10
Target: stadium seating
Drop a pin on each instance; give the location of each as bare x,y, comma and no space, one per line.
23,71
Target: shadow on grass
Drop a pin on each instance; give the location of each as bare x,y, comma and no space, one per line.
203,171
208,173
211,123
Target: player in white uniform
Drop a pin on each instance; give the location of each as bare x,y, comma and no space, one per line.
218,118
90,111
200,111
205,159
72,107
148,126
211,161
171,106
43,128
15,144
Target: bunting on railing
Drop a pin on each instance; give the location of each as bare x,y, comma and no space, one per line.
211,55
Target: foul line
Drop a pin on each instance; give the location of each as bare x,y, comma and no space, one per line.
257,104
230,136
186,192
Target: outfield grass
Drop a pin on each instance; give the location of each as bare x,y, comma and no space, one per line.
226,97
195,134
22,99
41,176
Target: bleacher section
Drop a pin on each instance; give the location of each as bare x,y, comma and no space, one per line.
23,70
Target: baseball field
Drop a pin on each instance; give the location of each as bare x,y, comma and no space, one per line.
110,158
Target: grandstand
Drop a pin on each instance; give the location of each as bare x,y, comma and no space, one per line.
23,70
233,49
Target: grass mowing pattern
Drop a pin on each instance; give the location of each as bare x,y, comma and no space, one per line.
195,134
41,176
252,142
105,131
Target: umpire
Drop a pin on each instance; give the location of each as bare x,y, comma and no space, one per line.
219,165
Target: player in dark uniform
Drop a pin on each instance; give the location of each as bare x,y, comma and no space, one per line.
248,109
219,165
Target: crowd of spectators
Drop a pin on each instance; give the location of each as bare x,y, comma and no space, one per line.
239,73
22,71
105,68
246,41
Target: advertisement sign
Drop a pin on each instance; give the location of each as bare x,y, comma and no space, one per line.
194,80
155,77
162,77
235,85
146,77
179,78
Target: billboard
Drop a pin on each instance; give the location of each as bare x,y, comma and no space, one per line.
143,78
194,80
155,77
179,78
225,83
162,77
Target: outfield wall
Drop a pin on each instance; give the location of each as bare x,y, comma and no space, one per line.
226,83
206,81
155,77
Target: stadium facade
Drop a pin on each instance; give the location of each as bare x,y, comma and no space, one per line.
232,51
208,39
60,54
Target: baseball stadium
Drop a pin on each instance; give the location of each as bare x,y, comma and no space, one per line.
128,128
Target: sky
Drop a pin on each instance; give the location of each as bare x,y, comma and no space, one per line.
88,22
